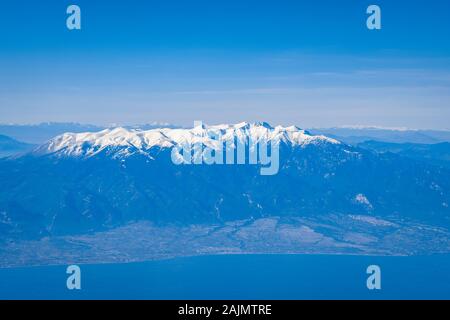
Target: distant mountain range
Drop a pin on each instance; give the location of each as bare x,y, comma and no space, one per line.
438,154
355,135
10,146
40,133
81,183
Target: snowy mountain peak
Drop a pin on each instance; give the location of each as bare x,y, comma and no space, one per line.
129,141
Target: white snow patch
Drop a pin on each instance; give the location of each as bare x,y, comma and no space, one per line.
362,199
372,220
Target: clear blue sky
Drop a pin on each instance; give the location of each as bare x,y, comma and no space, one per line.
310,63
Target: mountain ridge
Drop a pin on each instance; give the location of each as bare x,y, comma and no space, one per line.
91,143
51,192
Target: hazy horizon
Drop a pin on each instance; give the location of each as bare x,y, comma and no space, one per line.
162,124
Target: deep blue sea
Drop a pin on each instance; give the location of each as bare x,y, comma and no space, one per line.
238,277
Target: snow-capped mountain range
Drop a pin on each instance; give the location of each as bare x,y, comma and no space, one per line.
86,182
38,134
130,141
